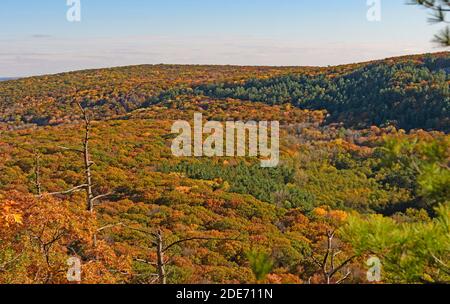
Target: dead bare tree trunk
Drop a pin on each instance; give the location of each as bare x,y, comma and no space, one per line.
88,163
87,160
328,264
37,173
161,249
161,264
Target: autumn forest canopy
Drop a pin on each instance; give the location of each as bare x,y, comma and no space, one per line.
86,171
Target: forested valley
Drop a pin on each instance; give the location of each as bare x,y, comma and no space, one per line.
86,171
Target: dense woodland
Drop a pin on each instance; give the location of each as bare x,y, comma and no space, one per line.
365,172
408,95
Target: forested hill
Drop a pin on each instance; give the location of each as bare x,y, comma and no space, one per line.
408,92
339,195
412,94
49,100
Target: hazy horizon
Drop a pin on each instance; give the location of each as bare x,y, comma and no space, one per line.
6,78
38,39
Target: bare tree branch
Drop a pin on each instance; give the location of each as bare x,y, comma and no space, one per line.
70,191
71,149
344,278
98,197
109,226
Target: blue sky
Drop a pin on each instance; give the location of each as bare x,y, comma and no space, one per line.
36,38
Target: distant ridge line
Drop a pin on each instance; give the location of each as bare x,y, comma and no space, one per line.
8,78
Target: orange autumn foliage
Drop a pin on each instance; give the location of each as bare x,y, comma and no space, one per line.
40,234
